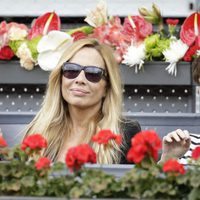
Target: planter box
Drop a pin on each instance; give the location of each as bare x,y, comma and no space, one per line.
154,74
12,73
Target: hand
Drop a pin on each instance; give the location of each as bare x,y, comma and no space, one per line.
175,144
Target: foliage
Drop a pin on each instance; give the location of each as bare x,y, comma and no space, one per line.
22,176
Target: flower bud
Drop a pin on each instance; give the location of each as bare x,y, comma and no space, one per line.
143,11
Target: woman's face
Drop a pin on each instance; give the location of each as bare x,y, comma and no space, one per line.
79,92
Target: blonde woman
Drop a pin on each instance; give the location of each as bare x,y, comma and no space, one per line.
84,95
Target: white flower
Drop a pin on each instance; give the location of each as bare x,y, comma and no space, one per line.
26,59
98,16
173,54
17,33
51,47
198,53
135,56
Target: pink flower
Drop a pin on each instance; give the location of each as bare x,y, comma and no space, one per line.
78,35
137,28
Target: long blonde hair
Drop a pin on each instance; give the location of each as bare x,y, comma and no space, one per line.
53,119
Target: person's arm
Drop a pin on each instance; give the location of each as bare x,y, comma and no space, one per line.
175,144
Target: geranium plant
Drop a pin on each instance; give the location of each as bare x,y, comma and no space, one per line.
134,40
21,175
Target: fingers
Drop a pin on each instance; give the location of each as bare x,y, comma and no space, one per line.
177,135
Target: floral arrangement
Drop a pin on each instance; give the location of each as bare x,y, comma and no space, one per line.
22,176
134,41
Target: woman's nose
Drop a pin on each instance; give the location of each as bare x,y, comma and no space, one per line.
81,77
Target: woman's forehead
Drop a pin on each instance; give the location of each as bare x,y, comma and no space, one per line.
88,56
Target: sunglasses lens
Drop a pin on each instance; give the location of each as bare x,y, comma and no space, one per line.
71,71
93,74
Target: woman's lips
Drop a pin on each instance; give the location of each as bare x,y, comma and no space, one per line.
79,92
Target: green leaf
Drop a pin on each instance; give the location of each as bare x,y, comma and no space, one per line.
15,44
28,181
32,45
194,194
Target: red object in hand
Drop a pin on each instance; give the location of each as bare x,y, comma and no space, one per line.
6,53
44,24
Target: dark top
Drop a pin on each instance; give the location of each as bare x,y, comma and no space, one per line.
129,129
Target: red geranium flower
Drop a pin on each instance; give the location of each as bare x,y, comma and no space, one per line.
6,53
196,153
3,142
104,136
34,142
42,163
172,22
78,35
79,155
173,165
145,143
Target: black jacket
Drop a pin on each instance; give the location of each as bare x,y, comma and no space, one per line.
129,129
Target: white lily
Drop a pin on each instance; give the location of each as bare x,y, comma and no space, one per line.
173,54
51,48
135,56
98,16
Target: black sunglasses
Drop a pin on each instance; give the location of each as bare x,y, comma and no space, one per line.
92,73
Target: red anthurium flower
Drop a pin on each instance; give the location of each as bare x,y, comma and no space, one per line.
190,29
145,143
188,57
44,24
3,142
79,155
104,136
196,153
6,53
42,163
34,142
172,22
173,165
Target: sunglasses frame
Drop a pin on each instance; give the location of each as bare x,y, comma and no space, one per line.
84,68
